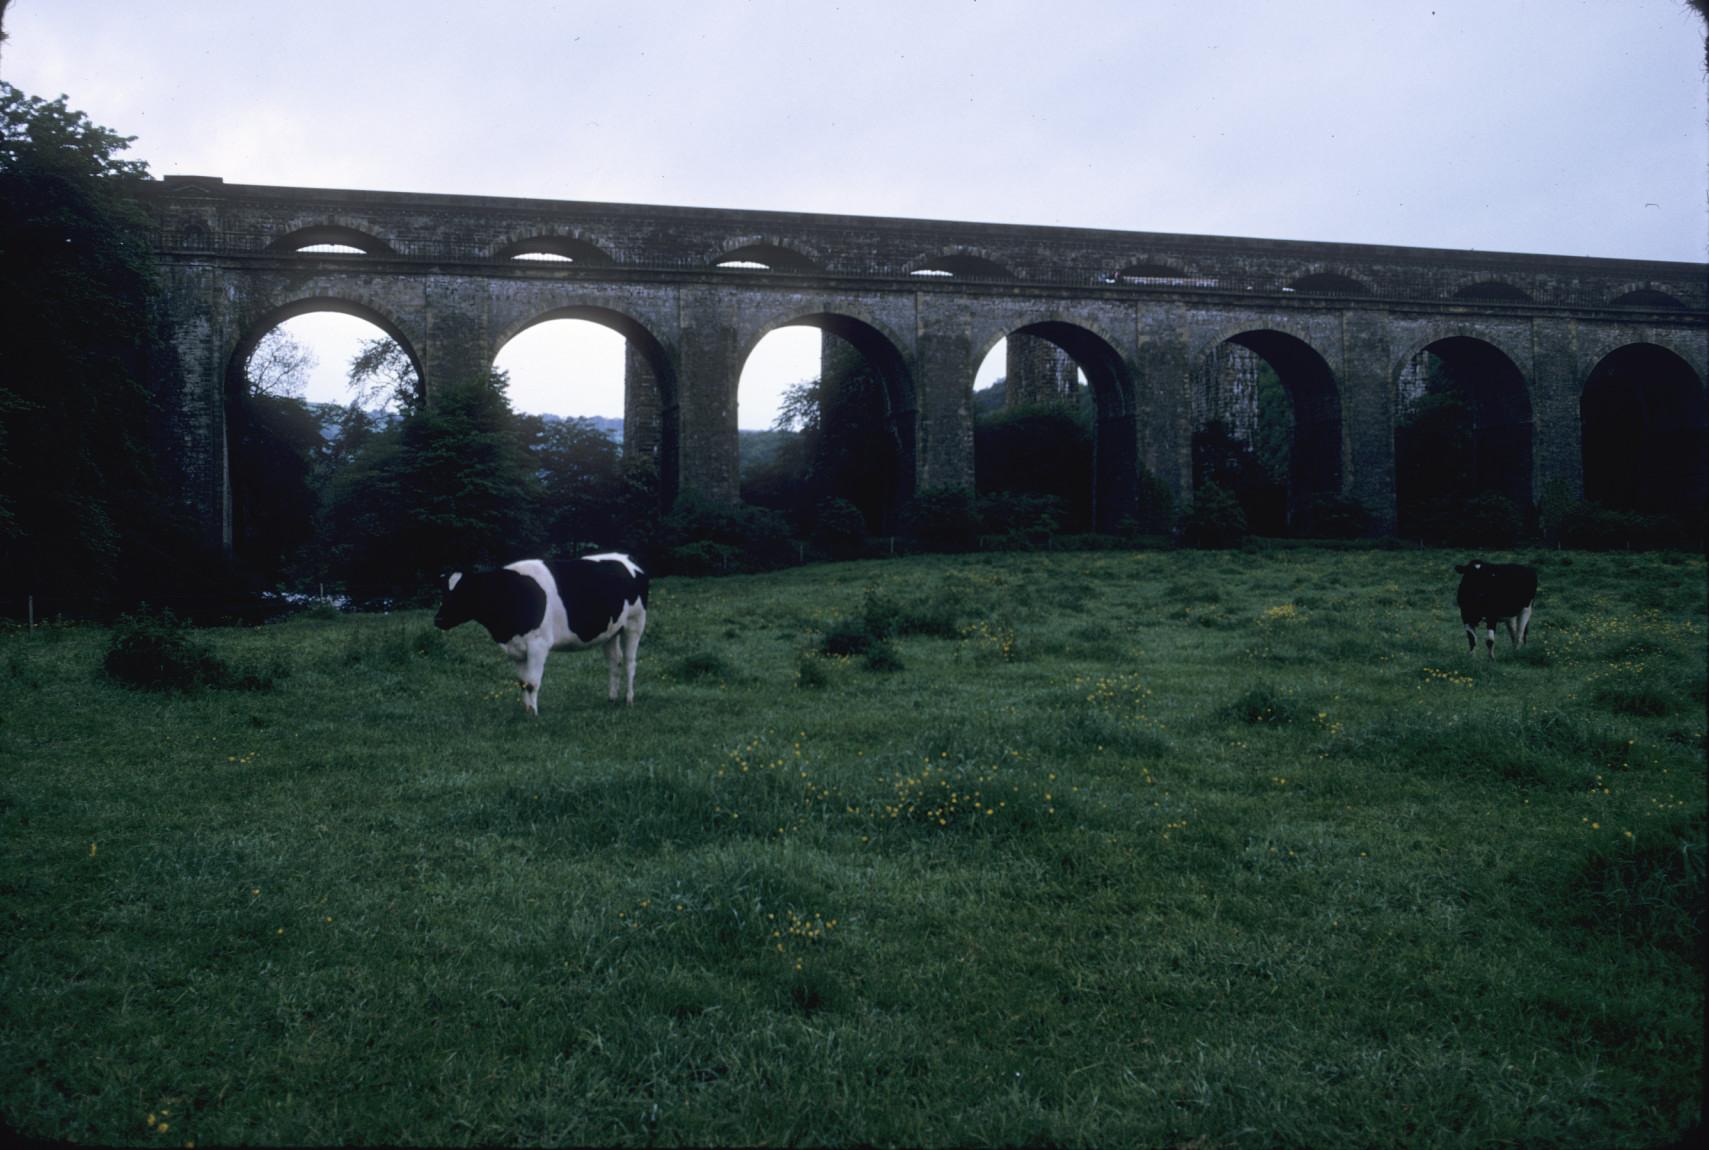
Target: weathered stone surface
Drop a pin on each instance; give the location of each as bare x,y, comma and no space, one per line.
1141,313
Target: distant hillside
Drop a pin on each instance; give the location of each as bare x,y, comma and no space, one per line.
330,415
613,428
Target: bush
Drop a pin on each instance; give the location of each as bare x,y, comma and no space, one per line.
1264,704
702,537
942,518
1019,518
839,528
1215,519
1335,517
882,657
705,666
848,637
810,672
1596,528
157,652
1486,520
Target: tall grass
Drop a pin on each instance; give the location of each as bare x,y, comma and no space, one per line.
1110,849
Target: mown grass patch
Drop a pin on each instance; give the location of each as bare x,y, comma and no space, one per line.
1078,869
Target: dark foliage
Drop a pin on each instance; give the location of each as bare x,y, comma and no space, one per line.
1042,450
157,651
703,537
1234,466
942,519
276,444
449,487
86,522
1334,517
1215,520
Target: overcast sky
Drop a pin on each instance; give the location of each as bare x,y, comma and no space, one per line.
1560,126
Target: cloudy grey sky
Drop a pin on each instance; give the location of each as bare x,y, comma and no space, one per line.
1561,126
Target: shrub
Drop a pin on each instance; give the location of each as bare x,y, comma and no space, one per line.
882,656
1264,704
942,518
704,666
702,537
848,637
839,528
1215,519
1596,528
1335,517
157,652
1486,520
1020,519
810,672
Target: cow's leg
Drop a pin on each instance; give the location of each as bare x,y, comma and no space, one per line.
614,664
1512,625
1489,639
1524,623
532,668
632,629
1471,639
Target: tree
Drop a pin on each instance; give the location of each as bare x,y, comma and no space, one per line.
383,378
276,444
448,487
279,365
1434,476
1032,460
85,521
581,483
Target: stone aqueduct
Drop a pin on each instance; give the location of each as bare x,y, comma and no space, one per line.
1147,317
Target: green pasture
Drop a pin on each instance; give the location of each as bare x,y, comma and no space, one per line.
1106,849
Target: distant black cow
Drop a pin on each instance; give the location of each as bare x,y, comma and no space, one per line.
531,607
1491,591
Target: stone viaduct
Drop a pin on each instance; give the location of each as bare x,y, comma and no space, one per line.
1554,345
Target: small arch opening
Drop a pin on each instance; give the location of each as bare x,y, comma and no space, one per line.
766,258
1649,298
962,266
331,239
550,249
837,455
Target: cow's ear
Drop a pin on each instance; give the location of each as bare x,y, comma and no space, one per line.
451,583
1459,569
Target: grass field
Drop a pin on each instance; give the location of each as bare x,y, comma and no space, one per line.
1148,849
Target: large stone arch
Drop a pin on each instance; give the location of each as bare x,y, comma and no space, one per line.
1311,427
249,333
862,342
651,395
1488,445
1092,347
1642,427
252,330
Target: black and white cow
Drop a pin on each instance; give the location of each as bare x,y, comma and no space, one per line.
1491,591
531,607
